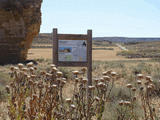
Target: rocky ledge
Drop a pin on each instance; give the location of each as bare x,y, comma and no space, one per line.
20,22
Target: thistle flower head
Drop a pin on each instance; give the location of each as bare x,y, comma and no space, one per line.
25,69
127,103
59,74
151,81
28,77
31,69
64,79
140,76
68,100
101,85
109,72
102,80
104,73
121,102
20,65
83,70
76,80
113,74
91,87
96,80
75,72
12,68
8,89
16,69
139,82
149,88
133,89
54,86
35,68
148,78
42,72
30,64
63,82
84,80
33,76
153,86
73,106
107,78
129,85
48,75
54,69
53,65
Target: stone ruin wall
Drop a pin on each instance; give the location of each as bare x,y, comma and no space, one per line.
20,22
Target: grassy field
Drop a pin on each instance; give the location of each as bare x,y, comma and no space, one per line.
98,54
103,60
142,50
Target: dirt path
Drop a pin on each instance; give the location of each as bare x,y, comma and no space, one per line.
122,47
101,55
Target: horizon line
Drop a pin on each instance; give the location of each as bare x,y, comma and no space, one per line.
114,36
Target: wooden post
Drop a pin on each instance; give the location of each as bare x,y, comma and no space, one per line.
55,46
89,56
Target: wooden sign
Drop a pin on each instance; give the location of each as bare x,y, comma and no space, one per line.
73,50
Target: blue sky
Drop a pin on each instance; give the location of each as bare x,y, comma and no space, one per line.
129,18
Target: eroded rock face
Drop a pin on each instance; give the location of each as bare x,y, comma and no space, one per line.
20,22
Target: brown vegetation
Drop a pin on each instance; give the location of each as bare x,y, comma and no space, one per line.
142,50
43,90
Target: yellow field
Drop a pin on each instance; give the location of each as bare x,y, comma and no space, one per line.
100,55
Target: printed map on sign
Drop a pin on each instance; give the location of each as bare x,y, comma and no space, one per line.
72,50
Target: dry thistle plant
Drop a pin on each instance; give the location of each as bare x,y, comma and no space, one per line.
37,95
139,93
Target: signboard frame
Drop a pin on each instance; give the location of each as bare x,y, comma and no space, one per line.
88,63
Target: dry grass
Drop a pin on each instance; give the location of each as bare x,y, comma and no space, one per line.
142,50
105,60
119,91
98,55
3,111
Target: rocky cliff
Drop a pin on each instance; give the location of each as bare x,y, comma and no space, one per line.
19,23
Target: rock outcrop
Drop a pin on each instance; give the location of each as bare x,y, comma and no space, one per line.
20,22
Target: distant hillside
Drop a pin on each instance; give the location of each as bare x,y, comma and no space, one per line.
47,38
43,38
126,39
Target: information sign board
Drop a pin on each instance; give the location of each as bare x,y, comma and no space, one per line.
72,50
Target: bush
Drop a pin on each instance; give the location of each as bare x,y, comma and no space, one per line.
39,95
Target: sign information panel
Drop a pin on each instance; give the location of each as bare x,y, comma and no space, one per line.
72,50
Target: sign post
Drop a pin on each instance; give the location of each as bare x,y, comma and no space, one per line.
73,50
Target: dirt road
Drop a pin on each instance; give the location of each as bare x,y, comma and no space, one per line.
122,47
